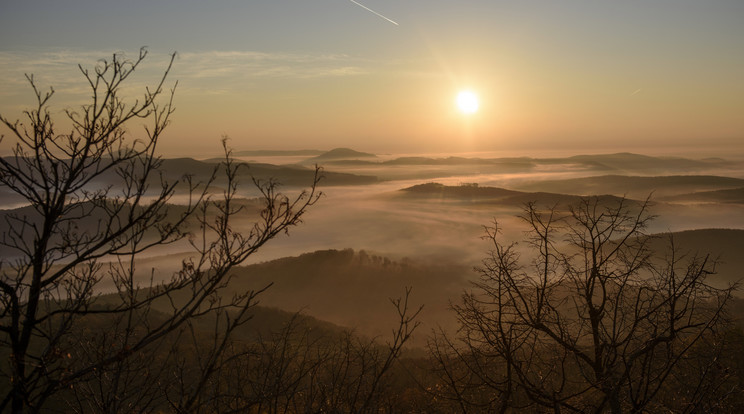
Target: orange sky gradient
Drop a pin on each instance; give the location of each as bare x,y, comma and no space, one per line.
577,77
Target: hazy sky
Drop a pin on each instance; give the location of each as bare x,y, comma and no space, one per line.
589,76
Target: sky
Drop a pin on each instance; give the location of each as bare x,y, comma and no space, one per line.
552,76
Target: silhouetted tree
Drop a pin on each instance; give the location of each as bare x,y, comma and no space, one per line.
297,370
96,202
584,317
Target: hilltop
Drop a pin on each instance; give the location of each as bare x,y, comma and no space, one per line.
734,195
341,154
474,193
351,288
635,186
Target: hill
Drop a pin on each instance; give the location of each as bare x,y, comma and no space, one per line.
340,154
635,186
276,153
174,169
427,167
286,175
90,219
460,191
10,199
351,288
734,195
619,163
629,162
264,321
723,245
473,193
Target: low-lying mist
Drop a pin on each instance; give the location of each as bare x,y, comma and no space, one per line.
440,234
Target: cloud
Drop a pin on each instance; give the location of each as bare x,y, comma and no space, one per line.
255,65
204,72
60,69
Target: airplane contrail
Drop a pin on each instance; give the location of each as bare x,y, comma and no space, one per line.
372,11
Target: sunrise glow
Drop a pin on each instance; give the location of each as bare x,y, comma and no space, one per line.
354,205
467,102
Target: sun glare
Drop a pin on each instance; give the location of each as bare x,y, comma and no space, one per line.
467,102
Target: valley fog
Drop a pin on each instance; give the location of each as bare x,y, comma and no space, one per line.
377,217
432,238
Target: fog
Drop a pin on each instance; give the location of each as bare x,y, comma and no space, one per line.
377,217
374,218
380,218
441,235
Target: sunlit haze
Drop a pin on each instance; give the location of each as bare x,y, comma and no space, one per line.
390,206
467,102
575,76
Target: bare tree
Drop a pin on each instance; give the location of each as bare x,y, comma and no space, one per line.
587,318
298,370
96,201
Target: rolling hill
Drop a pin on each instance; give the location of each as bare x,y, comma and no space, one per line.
723,245
277,153
635,186
734,195
286,175
339,154
619,163
473,193
641,164
352,288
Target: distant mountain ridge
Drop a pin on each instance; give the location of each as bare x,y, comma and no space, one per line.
174,168
618,163
644,164
277,153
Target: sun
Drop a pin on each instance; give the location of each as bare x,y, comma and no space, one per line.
467,102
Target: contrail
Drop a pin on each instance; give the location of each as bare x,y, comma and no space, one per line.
372,11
